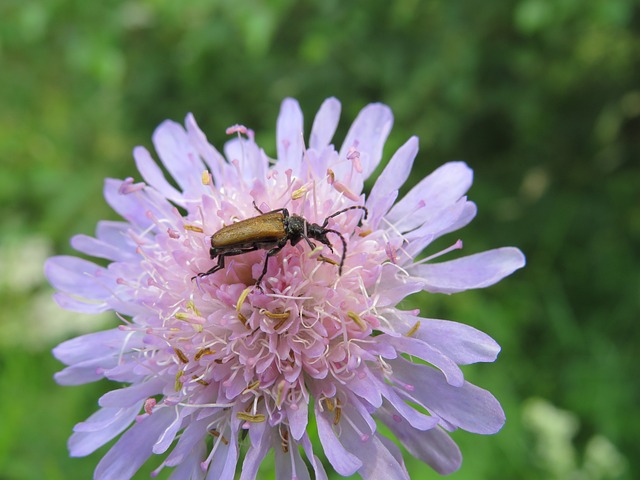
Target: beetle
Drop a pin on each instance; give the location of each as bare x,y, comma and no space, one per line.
272,231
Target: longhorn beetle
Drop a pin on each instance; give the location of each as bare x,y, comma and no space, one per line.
271,231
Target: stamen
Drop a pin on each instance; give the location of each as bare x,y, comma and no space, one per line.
183,358
205,351
413,329
269,314
342,188
280,391
354,156
127,186
330,403
391,252
338,416
192,306
252,386
239,129
284,435
278,325
299,193
149,403
358,321
456,246
257,418
178,383
322,258
215,433
200,381
190,318
241,299
193,228
331,176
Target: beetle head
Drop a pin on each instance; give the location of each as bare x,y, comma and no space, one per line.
319,233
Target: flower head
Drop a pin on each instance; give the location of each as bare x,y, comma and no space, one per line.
215,363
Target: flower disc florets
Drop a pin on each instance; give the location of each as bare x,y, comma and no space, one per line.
210,358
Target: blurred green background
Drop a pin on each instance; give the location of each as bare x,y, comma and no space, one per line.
540,97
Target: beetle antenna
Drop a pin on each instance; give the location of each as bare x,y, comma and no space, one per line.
364,209
344,249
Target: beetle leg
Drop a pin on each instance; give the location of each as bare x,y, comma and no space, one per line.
214,269
221,257
285,212
270,253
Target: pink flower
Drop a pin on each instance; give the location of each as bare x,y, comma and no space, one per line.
215,362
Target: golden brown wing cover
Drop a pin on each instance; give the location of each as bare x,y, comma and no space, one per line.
263,228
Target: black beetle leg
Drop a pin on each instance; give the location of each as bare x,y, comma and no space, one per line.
221,257
214,269
270,253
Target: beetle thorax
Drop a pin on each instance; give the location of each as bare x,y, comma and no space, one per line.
296,227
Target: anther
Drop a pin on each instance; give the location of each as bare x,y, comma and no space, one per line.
413,329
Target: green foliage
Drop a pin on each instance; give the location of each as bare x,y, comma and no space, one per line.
540,97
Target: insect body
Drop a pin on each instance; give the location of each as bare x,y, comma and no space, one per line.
271,231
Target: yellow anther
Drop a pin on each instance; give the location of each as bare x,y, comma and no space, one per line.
364,233
336,418
357,320
252,386
215,433
322,258
178,384
284,435
183,358
269,314
194,228
205,351
299,193
280,391
329,402
206,177
413,330
257,418
192,306
279,324
242,298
